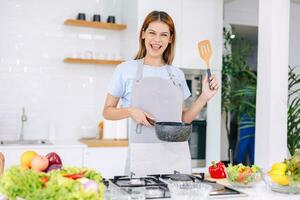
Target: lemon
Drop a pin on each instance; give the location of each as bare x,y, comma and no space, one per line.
275,172
280,179
279,166
26,157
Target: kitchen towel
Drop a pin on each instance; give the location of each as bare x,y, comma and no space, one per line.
109,129
115,129
121,129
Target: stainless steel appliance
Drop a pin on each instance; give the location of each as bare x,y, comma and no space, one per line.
197,141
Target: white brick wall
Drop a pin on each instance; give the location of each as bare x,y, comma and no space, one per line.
33,44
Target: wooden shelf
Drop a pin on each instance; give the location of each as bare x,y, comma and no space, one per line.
92,61
90,24
104,143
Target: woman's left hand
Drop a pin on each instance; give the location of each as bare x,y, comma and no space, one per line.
209,89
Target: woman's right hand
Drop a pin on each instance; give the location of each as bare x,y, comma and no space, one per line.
140,116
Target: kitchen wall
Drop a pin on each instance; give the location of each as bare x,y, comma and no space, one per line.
245,12
65,99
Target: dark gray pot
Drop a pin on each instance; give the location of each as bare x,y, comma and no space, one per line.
173,131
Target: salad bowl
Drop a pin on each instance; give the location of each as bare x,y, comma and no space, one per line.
243,176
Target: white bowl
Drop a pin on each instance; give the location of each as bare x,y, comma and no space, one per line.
189,190
292,188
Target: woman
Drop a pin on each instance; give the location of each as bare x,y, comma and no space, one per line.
150,88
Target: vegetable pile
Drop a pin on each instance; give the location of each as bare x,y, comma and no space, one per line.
66,183
43,177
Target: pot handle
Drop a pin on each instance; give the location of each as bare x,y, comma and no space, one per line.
138,129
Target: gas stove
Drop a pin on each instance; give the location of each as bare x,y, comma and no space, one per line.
155,186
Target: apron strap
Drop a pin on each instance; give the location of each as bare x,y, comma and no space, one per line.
140,70
172,76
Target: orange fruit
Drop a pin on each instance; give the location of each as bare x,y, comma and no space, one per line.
27,157
24,167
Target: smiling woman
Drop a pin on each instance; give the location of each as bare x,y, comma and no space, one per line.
152,89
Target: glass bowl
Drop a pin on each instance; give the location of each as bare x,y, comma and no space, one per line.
189,190
292,188
243,179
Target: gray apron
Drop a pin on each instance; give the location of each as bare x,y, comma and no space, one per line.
163,99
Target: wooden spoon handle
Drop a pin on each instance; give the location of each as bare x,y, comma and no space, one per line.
208,76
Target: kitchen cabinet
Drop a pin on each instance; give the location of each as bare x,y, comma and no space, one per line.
109,161
201,20
194,21
70,156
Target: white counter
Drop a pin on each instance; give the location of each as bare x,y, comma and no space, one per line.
262,192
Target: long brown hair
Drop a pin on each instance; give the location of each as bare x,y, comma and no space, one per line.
169,52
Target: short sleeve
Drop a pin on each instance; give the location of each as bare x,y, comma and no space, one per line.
184,87
117,85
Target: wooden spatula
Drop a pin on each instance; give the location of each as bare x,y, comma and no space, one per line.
205,53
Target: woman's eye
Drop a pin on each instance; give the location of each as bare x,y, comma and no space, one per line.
152,33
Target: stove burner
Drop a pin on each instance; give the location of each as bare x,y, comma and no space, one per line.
180,177
154,188
156,191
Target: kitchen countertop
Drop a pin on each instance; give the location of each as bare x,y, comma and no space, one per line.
260,192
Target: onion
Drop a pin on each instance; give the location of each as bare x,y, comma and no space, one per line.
83,180
91,186
53,167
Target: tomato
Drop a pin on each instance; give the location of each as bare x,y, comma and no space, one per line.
240,177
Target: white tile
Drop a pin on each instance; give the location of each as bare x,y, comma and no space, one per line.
34,43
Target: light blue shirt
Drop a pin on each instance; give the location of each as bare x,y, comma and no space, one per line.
125,74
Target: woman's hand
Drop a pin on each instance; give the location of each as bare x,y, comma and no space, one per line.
140,116
209,89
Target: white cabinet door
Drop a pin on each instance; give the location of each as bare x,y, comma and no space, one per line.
201,19
69,156
109,161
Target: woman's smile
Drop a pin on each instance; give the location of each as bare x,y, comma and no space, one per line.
155,47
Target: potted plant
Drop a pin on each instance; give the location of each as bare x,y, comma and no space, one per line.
293,137
236,79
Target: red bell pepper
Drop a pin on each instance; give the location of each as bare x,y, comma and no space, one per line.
74,176
217,170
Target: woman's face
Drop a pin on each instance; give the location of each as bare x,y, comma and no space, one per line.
157,37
